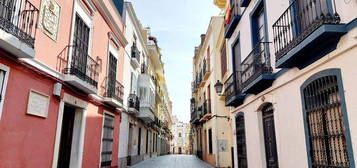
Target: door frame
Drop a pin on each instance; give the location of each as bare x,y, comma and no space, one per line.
78,130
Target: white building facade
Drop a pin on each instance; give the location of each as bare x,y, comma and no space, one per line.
291,82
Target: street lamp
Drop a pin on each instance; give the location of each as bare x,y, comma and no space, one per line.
218,86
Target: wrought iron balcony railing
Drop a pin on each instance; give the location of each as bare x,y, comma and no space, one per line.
113,89
232,86
257,63
299,20
135,53
19,18
134,101
82,65
206,107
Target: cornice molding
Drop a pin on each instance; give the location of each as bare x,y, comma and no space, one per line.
111,21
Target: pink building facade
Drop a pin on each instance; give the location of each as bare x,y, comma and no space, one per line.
61,69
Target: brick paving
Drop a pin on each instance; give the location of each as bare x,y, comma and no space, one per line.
173,161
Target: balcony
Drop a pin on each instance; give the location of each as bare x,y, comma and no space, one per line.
206,111
196,114
156,124
147,96
81,71
135,56
194,87
133,104
232,20
201,82
233,90
256,73
114,92
306,32
206,69
18,23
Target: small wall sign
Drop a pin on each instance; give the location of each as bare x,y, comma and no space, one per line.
38,104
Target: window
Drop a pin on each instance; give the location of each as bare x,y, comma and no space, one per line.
119,4
210,150
112,74
325,126
147,141
80,49
223,59
241,142
180,134
134,80
236,55
258,25
4,74
107,140
269,136
139,141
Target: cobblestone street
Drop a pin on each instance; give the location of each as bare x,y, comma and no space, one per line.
173,161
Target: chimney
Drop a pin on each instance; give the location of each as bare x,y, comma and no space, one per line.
203,36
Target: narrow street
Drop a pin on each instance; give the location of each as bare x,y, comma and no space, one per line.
173,161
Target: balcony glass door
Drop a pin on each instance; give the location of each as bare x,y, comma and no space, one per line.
112,73
80,49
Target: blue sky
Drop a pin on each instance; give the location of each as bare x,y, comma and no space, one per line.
177,24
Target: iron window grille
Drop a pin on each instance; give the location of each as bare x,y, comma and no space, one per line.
325,125
107,140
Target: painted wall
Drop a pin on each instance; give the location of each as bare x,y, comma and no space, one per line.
21,133
290,134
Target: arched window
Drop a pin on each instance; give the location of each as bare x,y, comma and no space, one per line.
241,142
325,119
269,136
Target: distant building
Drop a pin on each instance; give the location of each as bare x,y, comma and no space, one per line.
180,142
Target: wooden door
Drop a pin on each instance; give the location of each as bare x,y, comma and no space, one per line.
269,137
64,156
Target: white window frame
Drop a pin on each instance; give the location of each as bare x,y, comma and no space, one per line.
6,78
87,19
101,138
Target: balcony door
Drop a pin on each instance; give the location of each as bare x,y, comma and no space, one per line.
307,12
80,46
112,73
269,137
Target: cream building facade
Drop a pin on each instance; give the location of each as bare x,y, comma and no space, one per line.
290,83
210,124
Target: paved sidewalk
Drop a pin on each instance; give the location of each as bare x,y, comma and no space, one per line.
173,161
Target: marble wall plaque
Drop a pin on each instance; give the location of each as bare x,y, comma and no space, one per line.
38,104
49,18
